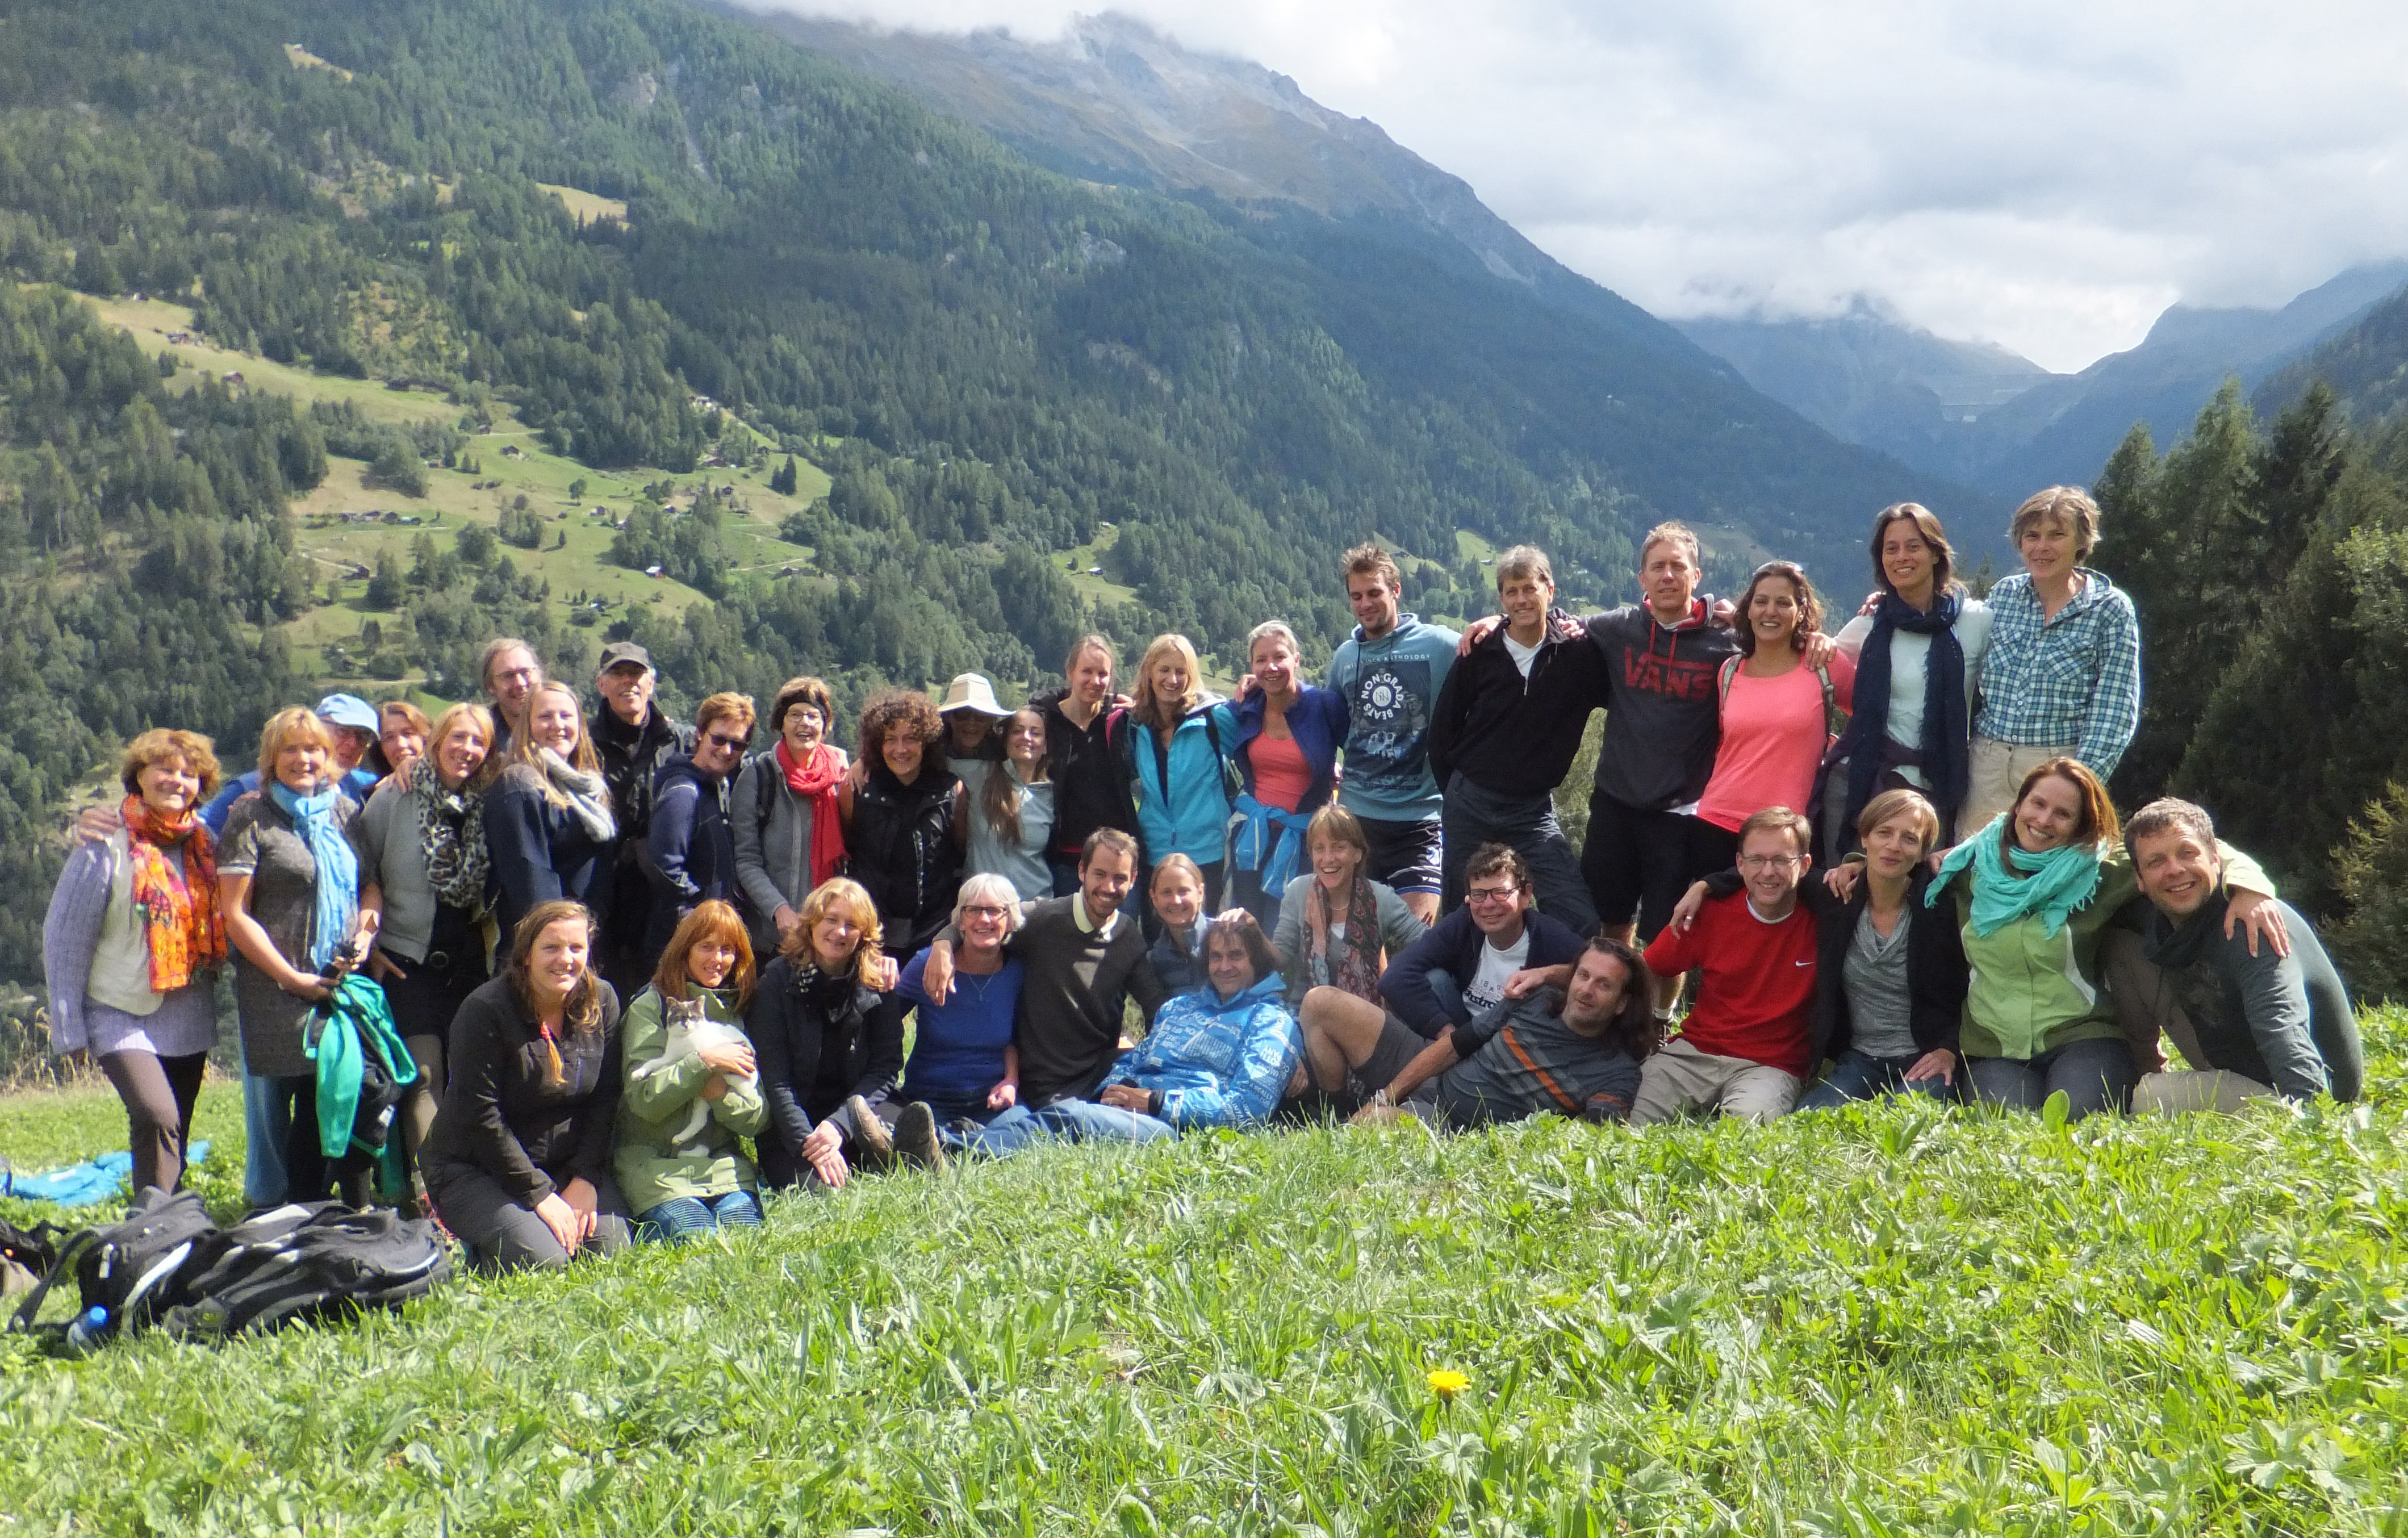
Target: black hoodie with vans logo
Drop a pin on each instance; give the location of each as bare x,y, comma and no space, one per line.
1663,720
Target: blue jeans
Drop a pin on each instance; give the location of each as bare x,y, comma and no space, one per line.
1527,824
266,1122
683,1216
1861,1076
2096,1075
1076,1121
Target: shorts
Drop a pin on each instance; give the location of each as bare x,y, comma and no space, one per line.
1398,1045
1637,861
1405,855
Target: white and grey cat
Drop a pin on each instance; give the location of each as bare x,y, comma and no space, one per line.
691,1030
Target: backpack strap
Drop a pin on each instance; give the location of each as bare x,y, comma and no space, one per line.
1832,720
70,1254
1730,670
767,777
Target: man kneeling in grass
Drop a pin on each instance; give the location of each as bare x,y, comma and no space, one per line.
1575,1051
2251,1025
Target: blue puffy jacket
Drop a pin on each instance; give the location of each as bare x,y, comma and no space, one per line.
1216,1062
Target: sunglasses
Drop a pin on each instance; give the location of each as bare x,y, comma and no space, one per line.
731,744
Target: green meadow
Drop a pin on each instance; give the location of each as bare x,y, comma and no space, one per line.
1892,1320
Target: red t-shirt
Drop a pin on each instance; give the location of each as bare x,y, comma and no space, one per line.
1758,989
1282,777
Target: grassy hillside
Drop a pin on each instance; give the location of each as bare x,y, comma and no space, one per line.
1888,1321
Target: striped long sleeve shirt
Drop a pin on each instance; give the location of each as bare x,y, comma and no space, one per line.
2073,680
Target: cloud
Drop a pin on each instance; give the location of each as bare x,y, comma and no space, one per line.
2048,174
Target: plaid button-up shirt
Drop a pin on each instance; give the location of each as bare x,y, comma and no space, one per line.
2074,680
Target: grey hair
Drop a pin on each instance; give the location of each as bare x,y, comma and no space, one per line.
1264,631
1524,561
990,890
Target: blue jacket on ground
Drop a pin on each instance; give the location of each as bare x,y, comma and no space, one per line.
1453,947
1190,815
1390,687
1216,1062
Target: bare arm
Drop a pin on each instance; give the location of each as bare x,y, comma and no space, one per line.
1428,1064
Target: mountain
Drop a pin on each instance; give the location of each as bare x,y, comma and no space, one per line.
2365,362
1982,415
1870,379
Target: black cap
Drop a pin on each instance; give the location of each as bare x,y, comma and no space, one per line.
621,652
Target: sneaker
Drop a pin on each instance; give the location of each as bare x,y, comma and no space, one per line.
915,1137
876,1150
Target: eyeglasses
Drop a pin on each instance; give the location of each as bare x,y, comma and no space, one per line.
1767,862
731,744
518,675
1491,894
985,911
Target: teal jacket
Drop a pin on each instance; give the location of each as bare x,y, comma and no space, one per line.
357,1022
1182,792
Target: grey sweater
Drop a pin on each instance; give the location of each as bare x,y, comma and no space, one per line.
773,858
1398,928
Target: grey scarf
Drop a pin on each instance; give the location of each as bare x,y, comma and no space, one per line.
588,793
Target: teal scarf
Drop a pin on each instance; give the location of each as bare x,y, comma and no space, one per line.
337,890
2052,885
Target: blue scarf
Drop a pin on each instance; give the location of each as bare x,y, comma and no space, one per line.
1942,754
337,890
2052,884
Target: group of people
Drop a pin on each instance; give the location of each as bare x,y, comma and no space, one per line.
624,973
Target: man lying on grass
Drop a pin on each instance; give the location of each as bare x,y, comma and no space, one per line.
2252,1026
1575,1052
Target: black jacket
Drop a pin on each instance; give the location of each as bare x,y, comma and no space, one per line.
1090,786
505,1117
1509,735
540,852
691,848
819,1040
632,757
901,845
1936,973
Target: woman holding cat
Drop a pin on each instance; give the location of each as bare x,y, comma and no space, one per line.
694,1087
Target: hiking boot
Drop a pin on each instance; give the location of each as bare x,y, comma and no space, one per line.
915,1137
876,1150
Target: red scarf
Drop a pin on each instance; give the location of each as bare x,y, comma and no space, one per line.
815,781
180,912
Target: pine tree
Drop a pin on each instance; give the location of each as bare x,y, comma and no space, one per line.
785,477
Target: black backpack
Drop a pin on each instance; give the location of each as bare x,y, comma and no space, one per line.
134,1267
321,1260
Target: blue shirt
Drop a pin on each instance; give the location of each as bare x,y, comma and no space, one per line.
1390,687
958,1054
2070,681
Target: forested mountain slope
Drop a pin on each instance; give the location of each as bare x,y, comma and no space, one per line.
1002,377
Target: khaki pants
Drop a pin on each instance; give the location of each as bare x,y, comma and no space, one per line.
2216,1089
1994,773
1679,1080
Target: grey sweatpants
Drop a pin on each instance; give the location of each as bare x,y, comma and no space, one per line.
504,1234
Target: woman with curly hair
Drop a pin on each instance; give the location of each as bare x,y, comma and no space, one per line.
132,935
897,807
830,1040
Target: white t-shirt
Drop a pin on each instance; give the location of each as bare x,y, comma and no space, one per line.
1520,653
1487,987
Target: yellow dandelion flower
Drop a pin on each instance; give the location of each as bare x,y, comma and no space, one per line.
1446,1382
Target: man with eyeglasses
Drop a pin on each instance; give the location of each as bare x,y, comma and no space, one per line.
690,847
1743,1049
1463,967
509,671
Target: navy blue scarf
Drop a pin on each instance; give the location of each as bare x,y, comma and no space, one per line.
1942,757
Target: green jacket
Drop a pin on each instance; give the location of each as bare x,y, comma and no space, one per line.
2032,993
657,1158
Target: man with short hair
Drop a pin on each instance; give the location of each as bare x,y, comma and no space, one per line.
1467,963
2250,1025
1574,1051
634,738
1743,1049
1083,960
509,671
1390,673
1508,723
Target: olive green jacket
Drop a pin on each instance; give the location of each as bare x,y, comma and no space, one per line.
663,1150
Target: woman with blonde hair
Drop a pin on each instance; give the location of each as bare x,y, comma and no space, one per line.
1286,750
1178,764
132,940
830,1040
289,886
425,873
519,1158
694,1086
549,825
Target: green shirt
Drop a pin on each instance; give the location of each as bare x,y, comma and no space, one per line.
663,1150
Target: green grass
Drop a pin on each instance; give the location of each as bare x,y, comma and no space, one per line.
1883,1321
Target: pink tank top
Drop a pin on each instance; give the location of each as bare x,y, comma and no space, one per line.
1281,775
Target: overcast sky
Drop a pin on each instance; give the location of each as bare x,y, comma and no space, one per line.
2048,174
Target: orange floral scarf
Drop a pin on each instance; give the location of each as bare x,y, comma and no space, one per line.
186,930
